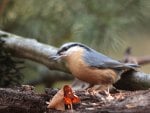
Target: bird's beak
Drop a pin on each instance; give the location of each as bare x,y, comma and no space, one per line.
58,56
55,57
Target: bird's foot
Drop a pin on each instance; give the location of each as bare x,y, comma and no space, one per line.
91,91
101,92
109,97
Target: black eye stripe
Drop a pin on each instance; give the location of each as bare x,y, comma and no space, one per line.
62,50
65,48
73,45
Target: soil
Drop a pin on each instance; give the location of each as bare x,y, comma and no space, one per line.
25,100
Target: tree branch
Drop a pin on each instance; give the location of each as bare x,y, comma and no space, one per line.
133,81
133,59
32,50
48,78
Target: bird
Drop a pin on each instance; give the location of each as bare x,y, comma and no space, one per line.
91,66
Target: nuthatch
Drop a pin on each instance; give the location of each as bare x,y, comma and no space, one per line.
90,66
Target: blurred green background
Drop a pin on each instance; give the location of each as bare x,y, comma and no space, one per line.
109,26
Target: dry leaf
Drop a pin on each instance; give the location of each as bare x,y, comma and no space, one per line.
64,96
57,101
69,97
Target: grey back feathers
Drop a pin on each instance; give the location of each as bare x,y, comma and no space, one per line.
98,60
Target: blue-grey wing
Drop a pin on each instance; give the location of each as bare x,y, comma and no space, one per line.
98,60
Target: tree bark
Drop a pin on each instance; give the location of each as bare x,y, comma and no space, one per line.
31,49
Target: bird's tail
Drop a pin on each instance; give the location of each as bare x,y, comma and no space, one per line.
132,66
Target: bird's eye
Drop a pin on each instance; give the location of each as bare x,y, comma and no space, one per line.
65,49
62,50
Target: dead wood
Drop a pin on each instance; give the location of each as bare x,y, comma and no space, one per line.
128,57
27,101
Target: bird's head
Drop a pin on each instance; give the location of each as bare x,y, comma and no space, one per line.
70,48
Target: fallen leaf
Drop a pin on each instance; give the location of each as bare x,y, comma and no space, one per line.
64,96
69,97
57,101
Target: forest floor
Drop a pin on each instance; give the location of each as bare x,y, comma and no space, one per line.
20,100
